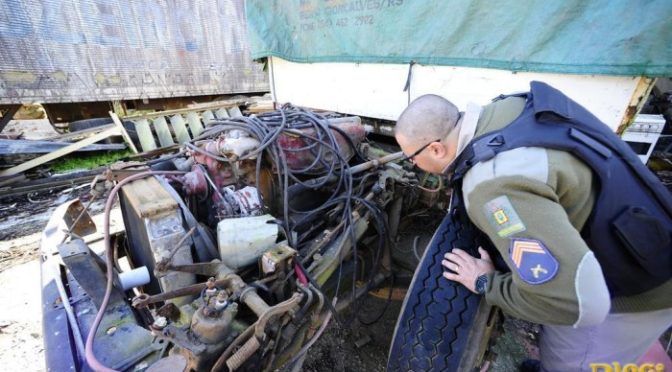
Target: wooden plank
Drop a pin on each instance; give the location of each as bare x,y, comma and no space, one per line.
4,181
222,114
234,112
145,135
162,131
154,153
123,132
191,108
180,129
148,198
12,147
207,116
260,107
60,152
194,124
8,115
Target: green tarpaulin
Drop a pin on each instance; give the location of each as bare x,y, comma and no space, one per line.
615,37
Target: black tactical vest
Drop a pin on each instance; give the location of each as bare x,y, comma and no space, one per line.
630,227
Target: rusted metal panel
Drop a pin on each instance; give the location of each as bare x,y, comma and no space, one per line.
102,50
637,100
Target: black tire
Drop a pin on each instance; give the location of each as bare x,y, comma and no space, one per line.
434,326
76,126
79,125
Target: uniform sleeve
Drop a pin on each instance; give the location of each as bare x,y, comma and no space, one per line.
554,278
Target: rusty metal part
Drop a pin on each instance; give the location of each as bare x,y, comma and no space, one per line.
252,331
82,225
225,355
121,171
243,354
293,140
84,212
486,320
277,258
250,297
194,182
357,168
281,308
637,100
161,265
315,318
144,299
315,337
376,162
322,241
169,311
230,281
203,268
213,328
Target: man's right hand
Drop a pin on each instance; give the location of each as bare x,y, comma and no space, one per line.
466,268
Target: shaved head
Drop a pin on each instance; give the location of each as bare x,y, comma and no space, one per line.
427,118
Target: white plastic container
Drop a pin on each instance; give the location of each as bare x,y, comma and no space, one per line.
243,240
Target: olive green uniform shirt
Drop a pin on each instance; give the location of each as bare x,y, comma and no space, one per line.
549,194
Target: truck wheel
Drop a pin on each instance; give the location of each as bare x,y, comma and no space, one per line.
79,125
76,126
433,331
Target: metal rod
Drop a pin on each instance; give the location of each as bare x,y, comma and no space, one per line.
144,300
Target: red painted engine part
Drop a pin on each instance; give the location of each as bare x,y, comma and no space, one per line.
194,182
352,126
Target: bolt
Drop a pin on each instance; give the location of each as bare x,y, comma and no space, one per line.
209,293
221,305
160,322
222,301
210,283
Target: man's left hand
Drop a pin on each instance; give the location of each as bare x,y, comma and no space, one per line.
466,269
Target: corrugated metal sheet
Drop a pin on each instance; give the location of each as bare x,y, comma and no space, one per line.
92,50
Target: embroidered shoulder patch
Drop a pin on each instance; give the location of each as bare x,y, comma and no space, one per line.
503,217
533,262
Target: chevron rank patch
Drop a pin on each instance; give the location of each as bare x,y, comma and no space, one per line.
503,217
534,263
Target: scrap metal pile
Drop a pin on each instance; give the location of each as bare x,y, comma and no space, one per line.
236,251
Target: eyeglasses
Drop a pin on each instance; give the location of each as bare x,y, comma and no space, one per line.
418,151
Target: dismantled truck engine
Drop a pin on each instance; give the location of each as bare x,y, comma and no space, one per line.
238,249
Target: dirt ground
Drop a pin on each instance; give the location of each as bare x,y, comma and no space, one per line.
21,346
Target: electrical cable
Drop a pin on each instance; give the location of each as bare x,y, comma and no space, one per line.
327,167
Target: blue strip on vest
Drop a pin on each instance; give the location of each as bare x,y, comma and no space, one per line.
630,227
